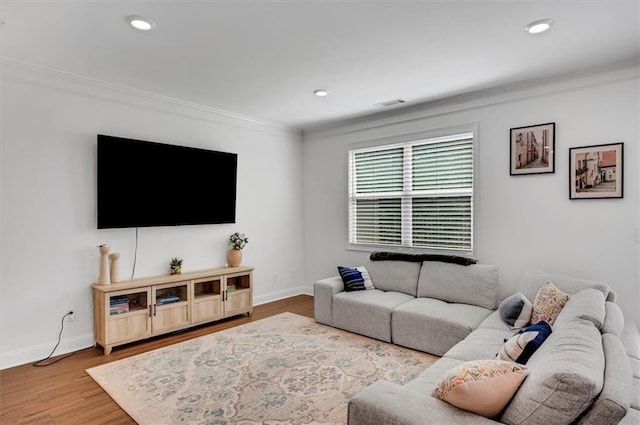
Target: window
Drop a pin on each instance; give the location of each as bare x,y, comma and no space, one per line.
416,194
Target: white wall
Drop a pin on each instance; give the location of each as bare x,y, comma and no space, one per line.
522,222
49,237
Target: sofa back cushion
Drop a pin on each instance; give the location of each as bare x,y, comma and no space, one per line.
613,402
476,284
565,376
534,279
614,320
587,304
398,276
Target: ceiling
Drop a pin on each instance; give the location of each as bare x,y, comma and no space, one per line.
263,59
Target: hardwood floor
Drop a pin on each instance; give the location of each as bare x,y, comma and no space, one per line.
64,394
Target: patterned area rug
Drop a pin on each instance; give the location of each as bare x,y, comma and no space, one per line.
283,370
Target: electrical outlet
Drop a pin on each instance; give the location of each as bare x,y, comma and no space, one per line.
71,316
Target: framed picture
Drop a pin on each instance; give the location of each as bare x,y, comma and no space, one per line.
532,149
596,172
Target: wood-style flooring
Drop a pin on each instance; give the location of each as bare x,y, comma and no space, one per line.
64,394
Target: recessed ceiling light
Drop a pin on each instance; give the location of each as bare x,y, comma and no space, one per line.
321,92
536,27
140,23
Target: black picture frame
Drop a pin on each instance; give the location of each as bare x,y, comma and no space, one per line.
532,149
597,171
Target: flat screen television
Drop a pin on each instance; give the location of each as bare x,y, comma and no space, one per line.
144,184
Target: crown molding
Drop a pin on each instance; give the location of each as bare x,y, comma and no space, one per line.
487,97
16,70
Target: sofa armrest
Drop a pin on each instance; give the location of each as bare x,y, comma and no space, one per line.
323,292
392,404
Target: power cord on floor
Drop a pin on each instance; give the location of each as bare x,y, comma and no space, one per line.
39,362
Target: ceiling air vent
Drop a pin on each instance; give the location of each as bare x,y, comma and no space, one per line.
392,102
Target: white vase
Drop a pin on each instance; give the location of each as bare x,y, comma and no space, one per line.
103,277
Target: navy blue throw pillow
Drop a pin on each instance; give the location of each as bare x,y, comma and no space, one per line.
521,346
351,278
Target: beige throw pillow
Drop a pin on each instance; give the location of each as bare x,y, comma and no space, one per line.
483,387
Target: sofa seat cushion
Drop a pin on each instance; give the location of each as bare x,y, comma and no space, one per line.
494,321
483,343
397,276
565,375
386,403
434,326
476,284
427,381
632,418
367,312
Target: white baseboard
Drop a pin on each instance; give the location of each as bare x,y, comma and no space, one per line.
275,296
31,354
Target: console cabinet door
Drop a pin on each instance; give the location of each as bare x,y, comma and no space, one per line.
170,307
206,299
238,294
127,315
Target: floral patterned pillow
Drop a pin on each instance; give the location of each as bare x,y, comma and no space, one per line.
483,387
548,304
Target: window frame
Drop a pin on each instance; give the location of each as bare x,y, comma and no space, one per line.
410,139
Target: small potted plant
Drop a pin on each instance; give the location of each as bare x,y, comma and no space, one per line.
176,265
237,242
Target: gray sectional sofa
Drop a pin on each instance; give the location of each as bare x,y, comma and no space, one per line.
586,372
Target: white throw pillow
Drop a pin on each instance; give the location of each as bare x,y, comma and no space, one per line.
368,283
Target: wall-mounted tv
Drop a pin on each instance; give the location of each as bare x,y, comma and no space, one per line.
144,184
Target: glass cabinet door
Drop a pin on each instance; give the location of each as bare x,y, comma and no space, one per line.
127,315
170,306
207,299
238,295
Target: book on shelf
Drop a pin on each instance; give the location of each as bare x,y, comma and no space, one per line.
119,300
118,304
167,299
119,310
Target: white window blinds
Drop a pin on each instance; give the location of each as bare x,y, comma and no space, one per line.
417,194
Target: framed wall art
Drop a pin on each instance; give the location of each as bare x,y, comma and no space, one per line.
596,172
532,149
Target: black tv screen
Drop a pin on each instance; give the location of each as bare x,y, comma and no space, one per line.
143,184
